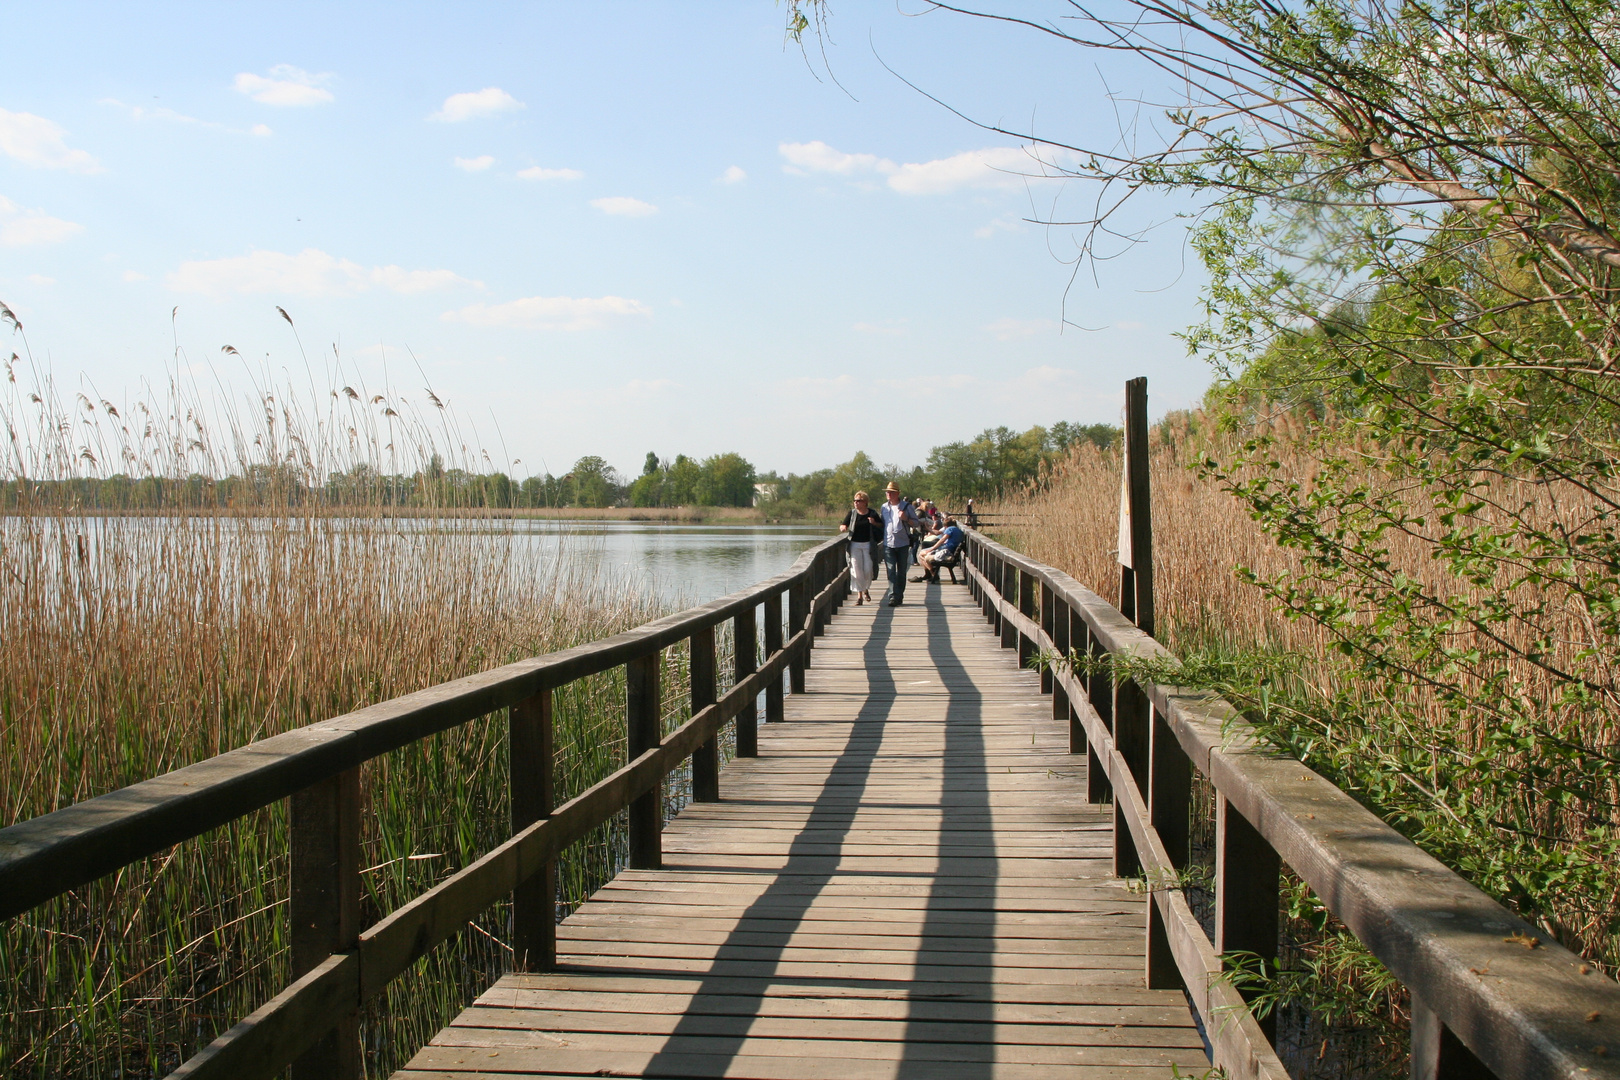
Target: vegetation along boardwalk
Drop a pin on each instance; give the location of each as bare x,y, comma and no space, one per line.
908,881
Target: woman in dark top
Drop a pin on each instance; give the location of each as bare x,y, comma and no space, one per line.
865,527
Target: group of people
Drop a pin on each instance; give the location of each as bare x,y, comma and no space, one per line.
896,532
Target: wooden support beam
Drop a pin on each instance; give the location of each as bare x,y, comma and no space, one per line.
1131,736
1026,607
798,610
1101,690
1169,801
706,761
1055,616
1049,625
773,644
324,908
1247,883
1078,637
530,751
746,642
1437,1053
644,706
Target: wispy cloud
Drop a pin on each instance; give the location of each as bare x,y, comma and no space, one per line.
535,172
550,312
733,175
624,206
20,227
34,140
475,164
886,328
311,272
133,275
990,168
145,114
475,103
1014,329
285,85
41,279
1004,223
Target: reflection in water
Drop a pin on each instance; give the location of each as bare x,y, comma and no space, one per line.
680,564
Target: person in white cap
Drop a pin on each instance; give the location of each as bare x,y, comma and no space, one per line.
898,521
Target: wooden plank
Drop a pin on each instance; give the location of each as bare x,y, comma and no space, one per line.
908,873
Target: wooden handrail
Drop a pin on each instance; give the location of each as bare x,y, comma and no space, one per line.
1477,988
51,854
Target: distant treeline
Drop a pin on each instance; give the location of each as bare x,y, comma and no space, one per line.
997,459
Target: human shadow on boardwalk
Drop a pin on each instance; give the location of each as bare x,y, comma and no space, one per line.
947,998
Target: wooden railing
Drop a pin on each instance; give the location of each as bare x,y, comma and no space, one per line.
1491,994
313,1023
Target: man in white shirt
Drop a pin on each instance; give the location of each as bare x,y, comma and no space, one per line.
898,521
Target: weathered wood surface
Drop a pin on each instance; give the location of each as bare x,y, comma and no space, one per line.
909,881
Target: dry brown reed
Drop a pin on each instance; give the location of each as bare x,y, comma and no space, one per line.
133,645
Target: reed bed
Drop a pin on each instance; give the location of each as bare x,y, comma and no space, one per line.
134,645
1401,748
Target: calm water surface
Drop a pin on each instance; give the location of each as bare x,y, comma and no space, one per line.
681,564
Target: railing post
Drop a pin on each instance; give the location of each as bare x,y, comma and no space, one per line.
530,750
1026,608
821,579
1136,531
745,638
1100,689
1009,593
798,611
773,645
1049,625
1057,627
1077,638
1247,872
706,759
1131,734
1437,1053
324,907
1169,800
644,706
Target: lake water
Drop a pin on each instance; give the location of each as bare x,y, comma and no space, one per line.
682,564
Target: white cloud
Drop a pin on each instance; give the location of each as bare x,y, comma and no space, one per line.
624,206
143,114
1014,329
134,275
41,279
992,167
535,172
733,175
19,227
887,328
475,164
309,273
647,388
34,140
819,157
286,85
1128,324
549,312
485,102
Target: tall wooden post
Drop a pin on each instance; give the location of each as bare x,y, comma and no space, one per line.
1055,617
324,907
1136,520
530,752
706,759
773,645
644,703
746,641
1169,800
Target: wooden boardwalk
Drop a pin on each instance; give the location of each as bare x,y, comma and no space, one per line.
907,882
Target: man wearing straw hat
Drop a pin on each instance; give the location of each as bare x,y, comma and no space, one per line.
898,520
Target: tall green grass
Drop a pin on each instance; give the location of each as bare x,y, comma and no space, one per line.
131,646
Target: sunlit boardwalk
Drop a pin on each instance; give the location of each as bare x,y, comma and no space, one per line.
907,882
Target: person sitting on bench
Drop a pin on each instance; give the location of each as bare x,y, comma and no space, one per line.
942,552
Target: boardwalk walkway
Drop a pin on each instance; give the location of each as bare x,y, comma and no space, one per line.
907,882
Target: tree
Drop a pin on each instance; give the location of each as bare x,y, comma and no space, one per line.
725,480
595,482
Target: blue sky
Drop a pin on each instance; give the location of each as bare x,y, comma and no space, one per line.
591,228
